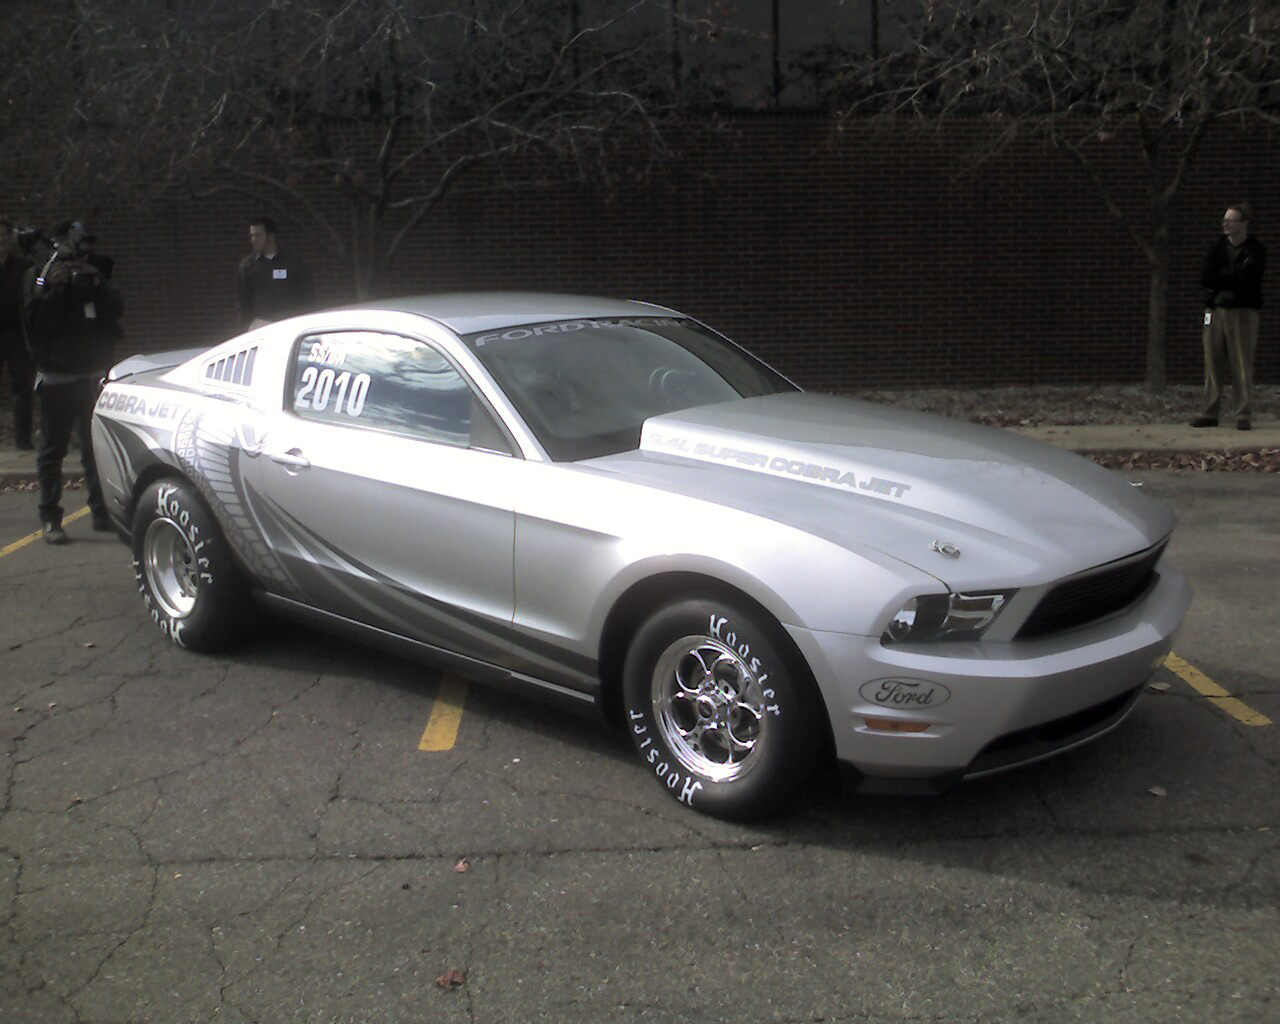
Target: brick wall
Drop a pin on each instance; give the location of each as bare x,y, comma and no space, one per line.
853,260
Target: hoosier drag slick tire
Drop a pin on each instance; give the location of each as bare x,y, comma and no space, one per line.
192,587
717,710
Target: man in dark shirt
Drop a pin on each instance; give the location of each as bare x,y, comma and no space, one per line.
13,344
1232,282
272,283
73,321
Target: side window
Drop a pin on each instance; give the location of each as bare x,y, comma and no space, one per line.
388,382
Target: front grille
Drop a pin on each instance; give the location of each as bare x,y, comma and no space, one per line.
1093,595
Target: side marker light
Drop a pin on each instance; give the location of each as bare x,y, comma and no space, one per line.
896,725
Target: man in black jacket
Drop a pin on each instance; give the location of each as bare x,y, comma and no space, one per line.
72,316
13,346
1232,282
271,283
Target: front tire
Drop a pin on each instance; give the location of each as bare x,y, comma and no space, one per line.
191,585
717,709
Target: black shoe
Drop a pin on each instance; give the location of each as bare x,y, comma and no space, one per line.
54,534
1205,421
102,524
1243,425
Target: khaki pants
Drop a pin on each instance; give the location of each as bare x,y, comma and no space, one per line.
1230,338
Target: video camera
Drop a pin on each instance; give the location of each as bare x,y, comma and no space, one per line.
68,242
33,243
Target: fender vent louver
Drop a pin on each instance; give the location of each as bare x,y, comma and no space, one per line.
236,368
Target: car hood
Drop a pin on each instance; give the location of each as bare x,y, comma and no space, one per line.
903,483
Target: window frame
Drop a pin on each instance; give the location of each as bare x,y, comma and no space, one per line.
478,398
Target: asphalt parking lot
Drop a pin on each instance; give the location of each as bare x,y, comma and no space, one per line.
312,831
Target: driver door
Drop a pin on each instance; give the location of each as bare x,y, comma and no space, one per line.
387,485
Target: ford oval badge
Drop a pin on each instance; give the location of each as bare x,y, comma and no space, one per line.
904,693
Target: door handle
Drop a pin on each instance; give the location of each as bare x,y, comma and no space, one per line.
293,459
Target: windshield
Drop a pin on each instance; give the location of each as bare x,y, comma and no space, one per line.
585,387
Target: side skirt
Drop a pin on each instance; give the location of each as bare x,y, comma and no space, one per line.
470,668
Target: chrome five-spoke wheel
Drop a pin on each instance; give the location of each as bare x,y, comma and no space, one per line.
709,707
170,566
718,707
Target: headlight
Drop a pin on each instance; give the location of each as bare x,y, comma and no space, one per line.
944,617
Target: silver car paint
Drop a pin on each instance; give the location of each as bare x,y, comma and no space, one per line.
1041,507
1037,681
823,510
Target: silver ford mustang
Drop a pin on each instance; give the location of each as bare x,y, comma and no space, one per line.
611,504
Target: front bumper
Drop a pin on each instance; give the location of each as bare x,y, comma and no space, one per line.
993,704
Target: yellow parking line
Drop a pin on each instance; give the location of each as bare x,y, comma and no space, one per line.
441,732
1200,682
9,549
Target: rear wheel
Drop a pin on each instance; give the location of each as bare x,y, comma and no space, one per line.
717,711
191,585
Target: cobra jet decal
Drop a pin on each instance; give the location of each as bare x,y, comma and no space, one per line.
846,477
140,406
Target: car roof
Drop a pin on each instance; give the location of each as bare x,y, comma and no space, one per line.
470,312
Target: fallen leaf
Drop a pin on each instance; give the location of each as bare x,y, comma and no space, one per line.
462,865
1158,791
452,978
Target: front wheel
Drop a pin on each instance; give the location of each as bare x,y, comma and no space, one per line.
191,585
717,710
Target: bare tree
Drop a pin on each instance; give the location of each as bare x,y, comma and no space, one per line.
98,97
1080,73
353,119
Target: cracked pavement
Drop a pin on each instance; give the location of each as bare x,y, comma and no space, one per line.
257,838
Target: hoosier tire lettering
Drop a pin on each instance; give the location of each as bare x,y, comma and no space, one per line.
168,505
719,708
189,583
662,769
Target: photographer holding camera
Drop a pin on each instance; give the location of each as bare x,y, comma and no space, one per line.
72,320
